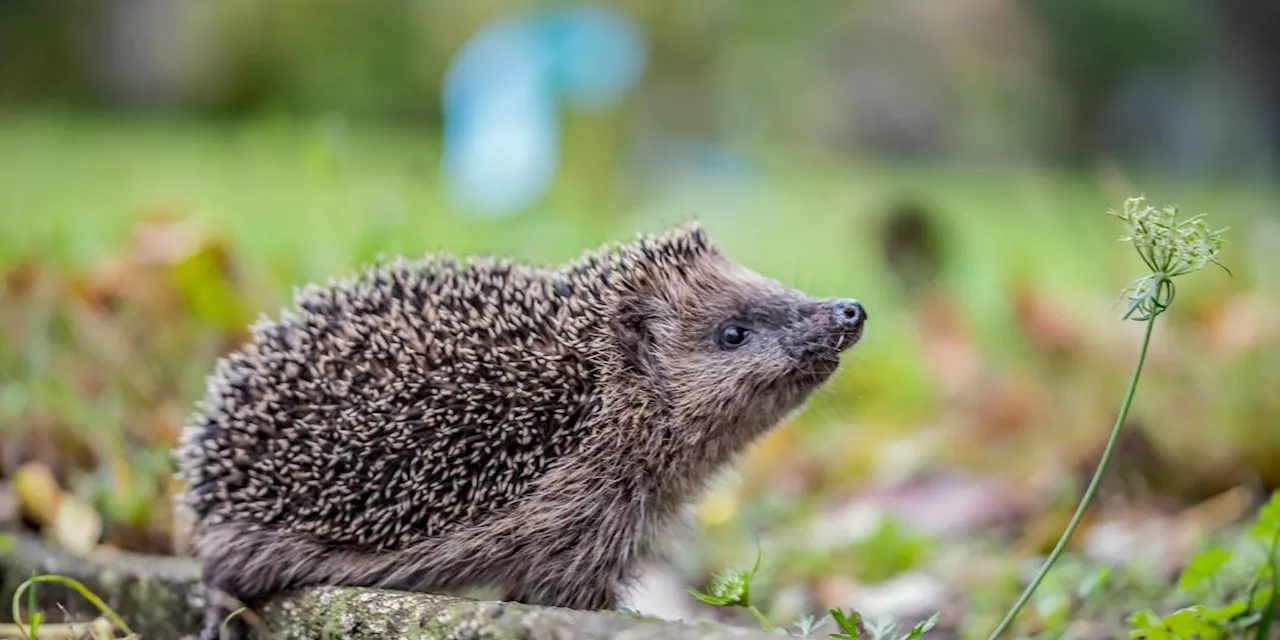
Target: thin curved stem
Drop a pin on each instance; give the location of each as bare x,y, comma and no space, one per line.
1088,493
764,622
74,584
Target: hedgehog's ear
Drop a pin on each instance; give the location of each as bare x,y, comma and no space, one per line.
633,326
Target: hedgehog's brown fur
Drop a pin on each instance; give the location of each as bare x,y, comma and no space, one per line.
438,425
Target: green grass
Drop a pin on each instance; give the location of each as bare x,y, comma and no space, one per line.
301,202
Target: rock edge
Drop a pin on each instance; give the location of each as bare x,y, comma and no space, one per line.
161,598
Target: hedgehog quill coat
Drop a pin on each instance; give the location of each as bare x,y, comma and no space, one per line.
438,425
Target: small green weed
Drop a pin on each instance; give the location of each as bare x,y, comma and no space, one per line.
732,588
1236,589
876,630
1198,621
34,628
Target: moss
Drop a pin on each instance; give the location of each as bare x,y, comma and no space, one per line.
436,626
339,607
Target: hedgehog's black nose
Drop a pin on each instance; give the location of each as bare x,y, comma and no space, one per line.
848,313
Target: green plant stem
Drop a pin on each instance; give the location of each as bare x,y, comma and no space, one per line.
1088,493
764,622
1257,579
1269,614
74,584
1269,611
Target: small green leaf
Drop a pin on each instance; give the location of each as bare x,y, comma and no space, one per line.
37,619
1203,567
848,625
1143,623
1267,524
1191,623
921,628
1226,612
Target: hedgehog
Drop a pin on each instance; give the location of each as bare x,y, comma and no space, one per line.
438,424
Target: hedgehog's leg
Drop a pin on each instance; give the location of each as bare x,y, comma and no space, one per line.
251,566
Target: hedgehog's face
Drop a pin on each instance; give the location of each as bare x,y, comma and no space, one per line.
731,350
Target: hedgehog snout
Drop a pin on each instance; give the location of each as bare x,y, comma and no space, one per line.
827,328
848,317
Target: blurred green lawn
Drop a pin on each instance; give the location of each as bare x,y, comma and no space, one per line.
305,201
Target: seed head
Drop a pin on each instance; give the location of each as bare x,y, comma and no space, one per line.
1169,247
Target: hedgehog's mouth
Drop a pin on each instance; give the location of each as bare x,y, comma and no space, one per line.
818,355
845,339
818,358
830,328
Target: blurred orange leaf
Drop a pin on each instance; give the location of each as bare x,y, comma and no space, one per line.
1048,327
951,355
1237,324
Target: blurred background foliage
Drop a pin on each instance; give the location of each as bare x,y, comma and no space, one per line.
171,169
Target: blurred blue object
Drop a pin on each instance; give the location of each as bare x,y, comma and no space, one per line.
503,89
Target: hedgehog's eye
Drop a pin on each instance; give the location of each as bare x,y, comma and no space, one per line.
733,336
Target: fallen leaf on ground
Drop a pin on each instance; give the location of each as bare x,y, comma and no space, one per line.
38,492
947,504
1046,326
949,351
76,526
1236,325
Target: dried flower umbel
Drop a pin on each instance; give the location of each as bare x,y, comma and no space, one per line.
1169,247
